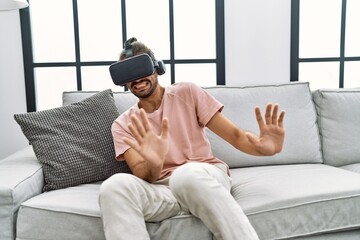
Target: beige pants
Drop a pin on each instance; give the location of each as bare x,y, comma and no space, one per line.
201,189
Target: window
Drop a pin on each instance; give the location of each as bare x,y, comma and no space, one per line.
325,43
68,45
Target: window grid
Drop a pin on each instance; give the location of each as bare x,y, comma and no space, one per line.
29,64
295,60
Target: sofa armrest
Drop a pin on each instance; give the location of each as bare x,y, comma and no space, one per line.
21,177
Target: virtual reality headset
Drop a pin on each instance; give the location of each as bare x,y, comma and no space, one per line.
134,68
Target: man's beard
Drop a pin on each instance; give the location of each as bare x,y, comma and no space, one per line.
149,92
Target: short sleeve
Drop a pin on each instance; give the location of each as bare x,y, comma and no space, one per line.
119,130
205,104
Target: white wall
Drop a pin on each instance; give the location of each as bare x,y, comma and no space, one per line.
12,86
257,41
257,45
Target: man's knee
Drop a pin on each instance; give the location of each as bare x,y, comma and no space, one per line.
117,184
186,178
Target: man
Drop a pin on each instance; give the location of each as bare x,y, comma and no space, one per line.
162,139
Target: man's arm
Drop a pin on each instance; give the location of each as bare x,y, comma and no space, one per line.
270,140
139,167
146,154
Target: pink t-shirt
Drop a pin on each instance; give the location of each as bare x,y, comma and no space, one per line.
188,108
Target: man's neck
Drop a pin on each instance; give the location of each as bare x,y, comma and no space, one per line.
153,102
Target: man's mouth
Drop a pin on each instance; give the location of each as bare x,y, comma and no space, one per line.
139,85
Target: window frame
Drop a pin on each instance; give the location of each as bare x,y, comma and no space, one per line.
295,60
29,64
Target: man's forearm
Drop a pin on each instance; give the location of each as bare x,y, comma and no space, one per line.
144,170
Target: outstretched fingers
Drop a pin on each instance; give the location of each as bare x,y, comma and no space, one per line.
281,119
165,128
268,114
145,121
136,127
139,127
259,117
134,130
134,145
272,116
277,120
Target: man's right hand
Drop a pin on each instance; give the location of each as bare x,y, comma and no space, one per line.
151,147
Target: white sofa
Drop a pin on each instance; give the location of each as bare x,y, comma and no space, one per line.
311,190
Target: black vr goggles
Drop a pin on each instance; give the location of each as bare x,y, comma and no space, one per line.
134,68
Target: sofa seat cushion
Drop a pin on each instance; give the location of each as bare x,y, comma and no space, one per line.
355,167
73,213
298,200
69,213
281,201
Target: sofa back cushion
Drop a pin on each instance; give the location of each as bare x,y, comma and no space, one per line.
302,143
123,100
339,118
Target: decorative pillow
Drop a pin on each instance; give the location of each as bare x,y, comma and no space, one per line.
74,143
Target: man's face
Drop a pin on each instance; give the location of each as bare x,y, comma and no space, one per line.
144,87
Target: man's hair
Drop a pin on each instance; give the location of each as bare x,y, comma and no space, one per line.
137,48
